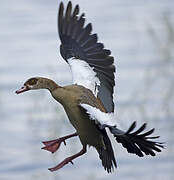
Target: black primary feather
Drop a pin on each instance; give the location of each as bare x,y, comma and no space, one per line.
137,142
106,153
78,41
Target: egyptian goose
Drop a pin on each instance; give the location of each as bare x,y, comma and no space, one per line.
88,102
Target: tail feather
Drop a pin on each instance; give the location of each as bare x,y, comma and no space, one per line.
106,154
135,142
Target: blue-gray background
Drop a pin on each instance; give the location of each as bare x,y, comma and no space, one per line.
140,34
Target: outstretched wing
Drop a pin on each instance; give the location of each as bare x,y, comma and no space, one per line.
91,64
137,142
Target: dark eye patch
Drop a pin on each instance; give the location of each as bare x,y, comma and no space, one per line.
32,81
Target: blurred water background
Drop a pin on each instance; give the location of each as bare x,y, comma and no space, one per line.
140,34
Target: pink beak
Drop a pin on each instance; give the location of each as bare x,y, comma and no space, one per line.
23,89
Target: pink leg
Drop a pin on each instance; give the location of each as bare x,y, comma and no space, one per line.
69,159
53,145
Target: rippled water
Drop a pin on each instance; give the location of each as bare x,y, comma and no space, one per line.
139,33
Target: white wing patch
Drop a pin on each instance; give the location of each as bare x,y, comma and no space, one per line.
84,75
99,116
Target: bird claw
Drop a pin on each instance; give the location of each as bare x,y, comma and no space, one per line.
64,142
68,160
60,165
53,145
71,162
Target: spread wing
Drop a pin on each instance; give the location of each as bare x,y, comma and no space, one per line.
91,64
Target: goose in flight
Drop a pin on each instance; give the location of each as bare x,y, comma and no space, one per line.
88,102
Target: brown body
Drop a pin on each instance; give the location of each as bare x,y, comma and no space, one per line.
90,132
71,97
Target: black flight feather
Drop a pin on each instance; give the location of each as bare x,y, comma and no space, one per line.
78,41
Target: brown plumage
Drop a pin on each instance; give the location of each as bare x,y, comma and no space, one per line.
71,97
93,77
